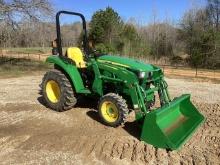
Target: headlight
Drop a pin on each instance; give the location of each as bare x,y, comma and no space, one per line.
142,75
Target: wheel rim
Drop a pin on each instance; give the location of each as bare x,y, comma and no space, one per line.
53,91
109,111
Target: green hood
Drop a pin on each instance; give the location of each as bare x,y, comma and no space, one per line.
127,62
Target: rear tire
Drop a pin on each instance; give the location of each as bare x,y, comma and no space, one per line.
57,91
113,110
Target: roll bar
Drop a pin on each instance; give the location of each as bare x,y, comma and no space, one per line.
59,40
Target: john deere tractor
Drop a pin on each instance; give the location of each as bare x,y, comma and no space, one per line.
122,85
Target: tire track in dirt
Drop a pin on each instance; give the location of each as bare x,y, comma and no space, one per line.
114,145
9,144
32,133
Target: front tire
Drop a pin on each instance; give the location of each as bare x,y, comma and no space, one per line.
113,109
57,91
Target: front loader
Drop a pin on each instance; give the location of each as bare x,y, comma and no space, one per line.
121,84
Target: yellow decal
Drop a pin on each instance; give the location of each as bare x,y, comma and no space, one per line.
114,63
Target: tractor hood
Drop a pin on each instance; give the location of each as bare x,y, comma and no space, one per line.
127,62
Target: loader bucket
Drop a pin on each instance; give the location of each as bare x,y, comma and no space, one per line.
171,125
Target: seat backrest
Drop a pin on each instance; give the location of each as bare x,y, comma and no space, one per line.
76,55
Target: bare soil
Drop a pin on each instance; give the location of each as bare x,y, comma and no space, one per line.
188,72
33,134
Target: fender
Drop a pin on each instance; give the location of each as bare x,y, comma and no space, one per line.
72,72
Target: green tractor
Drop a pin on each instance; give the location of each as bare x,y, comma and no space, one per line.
122,85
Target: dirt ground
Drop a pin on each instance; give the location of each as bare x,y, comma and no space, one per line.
33,134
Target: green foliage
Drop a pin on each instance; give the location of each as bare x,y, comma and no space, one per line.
129,32
111,35
133,43
104,48
199,39
201,48
105,26
196,37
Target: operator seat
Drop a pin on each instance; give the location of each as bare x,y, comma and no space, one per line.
76,55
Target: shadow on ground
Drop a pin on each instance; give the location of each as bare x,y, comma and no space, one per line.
133,128
86,102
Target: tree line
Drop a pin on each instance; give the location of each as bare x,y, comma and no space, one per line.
194,41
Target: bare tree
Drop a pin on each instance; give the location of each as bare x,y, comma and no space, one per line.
15,10
214,12
22,22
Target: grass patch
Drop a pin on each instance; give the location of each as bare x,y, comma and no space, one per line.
13,67
31,50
